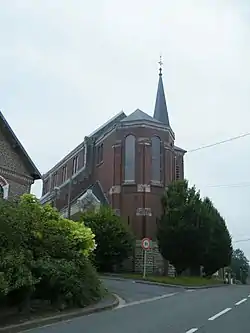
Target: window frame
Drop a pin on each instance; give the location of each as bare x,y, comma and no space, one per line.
157,159
129,161
75,164
64,173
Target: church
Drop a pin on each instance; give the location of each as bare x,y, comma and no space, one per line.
127,163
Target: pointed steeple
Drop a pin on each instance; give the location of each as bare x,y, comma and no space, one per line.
161,111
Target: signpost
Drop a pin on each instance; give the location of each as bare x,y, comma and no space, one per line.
145,243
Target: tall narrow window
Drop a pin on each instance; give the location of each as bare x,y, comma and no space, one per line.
156,159
177,172
75,165
54,179
45,186
99,154
129,159
64,173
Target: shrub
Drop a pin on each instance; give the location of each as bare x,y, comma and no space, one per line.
44,255
113,238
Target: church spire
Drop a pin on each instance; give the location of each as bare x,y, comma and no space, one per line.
161,111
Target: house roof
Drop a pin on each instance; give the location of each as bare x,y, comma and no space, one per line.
139,115
34,173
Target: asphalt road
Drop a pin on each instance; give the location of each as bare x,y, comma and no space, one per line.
166,310
131,291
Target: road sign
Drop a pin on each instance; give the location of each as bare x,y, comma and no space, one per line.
145,243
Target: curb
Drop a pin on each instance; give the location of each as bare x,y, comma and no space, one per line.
163,284
36,323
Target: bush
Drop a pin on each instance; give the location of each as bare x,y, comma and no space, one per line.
114,240
44,255
191,232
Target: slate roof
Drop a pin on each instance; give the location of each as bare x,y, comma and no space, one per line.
97,133
139,115
98,192
34,173
161,111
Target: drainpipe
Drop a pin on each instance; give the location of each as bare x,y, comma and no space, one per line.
69,197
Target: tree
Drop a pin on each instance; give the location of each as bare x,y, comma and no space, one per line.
44,255
191,232
240,265
113,238
181,230
219,244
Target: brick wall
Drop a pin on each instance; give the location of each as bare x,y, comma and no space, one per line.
13,169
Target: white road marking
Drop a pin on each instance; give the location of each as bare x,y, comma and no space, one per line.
190,290
249,296
122,301
147,300
192,330
220,314
242,301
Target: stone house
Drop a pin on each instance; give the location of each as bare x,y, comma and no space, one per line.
17,171
126,163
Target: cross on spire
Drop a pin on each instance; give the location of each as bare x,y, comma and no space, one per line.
161,111
160,63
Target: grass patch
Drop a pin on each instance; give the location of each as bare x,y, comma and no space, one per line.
181,280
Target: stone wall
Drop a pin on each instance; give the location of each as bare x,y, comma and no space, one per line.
155,264
13,169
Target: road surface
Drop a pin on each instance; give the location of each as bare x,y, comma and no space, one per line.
152,309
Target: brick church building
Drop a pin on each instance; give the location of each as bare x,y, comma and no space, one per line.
126,163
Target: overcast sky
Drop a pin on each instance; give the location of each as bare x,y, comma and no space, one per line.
68,66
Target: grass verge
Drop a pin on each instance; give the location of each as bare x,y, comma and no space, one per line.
181,280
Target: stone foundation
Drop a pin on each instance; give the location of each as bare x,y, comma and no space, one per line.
155,264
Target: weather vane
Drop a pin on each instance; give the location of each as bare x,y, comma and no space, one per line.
160,63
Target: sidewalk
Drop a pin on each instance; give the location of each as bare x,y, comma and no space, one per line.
108,302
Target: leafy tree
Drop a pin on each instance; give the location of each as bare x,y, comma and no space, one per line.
181,231
240,265
44,255
113,238
191,233
219,244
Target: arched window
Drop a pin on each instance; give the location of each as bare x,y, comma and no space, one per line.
1,192
129,159
156,159
4,188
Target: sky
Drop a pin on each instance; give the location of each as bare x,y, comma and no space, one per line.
68,66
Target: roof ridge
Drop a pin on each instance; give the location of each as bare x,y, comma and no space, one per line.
36,173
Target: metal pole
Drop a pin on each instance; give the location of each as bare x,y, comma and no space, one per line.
144,264
69,198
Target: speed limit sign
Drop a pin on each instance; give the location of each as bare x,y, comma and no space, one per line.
145,243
